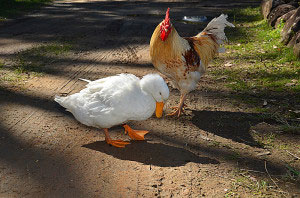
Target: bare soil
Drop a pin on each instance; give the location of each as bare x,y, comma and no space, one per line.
212,151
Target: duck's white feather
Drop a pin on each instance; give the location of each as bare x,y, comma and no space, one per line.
110,101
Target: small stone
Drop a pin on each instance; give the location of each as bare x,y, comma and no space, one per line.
265,103
186,192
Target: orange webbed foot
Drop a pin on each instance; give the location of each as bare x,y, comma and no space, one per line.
135,134
117,143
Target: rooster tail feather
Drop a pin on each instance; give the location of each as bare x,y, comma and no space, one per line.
216,27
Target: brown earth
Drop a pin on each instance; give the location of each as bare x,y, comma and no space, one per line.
209,152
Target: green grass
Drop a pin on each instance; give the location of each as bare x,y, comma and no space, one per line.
35,59
243,181
260,63
13,8
265,140
33,62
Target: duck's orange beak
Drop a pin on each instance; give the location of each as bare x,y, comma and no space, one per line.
159,109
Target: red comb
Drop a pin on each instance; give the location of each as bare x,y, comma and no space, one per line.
167,19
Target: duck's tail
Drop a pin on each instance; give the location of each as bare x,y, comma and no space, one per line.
61,100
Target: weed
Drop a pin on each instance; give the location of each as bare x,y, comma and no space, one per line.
292,173
1,64
294,129
233,156
214,143
265,140
244,181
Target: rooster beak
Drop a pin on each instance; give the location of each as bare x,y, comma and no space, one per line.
159,109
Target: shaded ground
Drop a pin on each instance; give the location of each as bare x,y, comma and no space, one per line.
45,152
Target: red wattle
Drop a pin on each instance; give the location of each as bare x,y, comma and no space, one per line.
163,36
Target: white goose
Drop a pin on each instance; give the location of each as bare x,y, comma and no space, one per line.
117,99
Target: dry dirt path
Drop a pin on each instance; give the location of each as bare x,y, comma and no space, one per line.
45,152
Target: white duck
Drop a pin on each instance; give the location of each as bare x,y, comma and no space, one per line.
117,99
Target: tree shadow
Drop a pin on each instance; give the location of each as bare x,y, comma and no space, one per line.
151,153
109,24
50,170
230,125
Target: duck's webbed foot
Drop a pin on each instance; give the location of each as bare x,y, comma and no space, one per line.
134,134
115,143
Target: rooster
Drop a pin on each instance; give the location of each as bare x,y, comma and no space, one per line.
184,60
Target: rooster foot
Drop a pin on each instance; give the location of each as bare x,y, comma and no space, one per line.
177,112
176,107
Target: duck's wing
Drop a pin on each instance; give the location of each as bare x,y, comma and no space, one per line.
113,92
112,100
121,99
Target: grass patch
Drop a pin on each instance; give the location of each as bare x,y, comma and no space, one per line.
13,8
257,62
33,62
292,174
265,140
35,59
293,129
243,181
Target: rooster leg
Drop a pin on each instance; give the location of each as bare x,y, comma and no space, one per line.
176,107
134,134
179,109
116,143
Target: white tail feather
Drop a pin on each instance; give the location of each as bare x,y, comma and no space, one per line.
216,27
59,100
88,81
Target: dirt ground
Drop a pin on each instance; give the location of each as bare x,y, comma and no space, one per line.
45,152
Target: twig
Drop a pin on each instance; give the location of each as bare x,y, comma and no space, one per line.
281,191
252,171
295,156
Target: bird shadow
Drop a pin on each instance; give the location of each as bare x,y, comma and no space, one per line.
230,125
151,153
